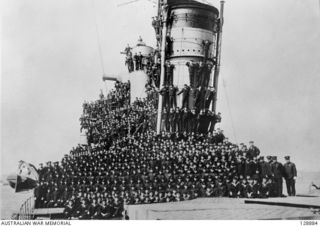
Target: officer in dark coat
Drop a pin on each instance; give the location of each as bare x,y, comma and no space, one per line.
277,173
290,175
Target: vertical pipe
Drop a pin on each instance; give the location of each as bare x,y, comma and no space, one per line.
218,56
163,48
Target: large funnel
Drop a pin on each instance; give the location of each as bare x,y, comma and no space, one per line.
193,31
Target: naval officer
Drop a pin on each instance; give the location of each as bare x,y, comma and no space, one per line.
290,175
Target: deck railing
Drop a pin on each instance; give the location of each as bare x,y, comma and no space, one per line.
26,209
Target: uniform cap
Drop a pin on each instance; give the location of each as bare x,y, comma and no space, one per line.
287,157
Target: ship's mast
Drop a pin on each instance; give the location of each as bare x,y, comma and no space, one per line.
162,10
218,56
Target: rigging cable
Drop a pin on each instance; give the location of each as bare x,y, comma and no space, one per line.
229,109
98,37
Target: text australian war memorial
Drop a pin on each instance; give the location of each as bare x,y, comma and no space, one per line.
154,137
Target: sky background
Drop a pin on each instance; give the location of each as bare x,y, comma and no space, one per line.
50,65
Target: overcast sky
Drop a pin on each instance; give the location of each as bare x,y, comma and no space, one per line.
51,64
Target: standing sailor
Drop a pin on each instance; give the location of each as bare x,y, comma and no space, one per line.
208,97
185,96
290,175
277,172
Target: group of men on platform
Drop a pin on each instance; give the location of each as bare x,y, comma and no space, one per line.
180,120
95,180
146,168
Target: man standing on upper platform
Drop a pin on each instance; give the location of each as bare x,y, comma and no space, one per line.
290,175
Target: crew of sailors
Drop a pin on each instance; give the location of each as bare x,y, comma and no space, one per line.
96,180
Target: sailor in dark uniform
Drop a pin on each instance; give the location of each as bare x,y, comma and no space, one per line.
244,189
264,189
197,98
82,211
173,96
264,168
140,61
206,75
168,79
171,120
105,210
169,41
193,67
184,120
199,74
94,210
69,210
136,61
203,122
185,95
165,119
118,208
253,151
256,189
290,175
208,97
233,188
165,96
193,120
177,120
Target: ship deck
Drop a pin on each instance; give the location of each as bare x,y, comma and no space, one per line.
290,208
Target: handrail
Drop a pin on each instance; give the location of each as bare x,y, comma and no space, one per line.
26,209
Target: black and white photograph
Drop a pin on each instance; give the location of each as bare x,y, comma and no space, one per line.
126,110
